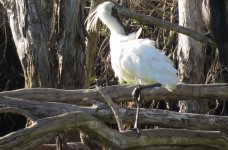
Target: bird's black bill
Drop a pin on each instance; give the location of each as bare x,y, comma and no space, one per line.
116,15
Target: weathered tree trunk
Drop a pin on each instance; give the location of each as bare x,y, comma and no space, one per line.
215,15
11,74
50,41
190,52
72,43
49,36
216,18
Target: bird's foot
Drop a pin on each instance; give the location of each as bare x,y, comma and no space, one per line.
135,130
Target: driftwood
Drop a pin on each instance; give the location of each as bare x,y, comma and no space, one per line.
148,117
62,114
112,138
122,93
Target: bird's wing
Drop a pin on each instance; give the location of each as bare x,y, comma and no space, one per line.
146,63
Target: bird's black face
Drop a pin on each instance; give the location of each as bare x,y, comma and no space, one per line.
115,14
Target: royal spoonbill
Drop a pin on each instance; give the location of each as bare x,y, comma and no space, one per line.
134,60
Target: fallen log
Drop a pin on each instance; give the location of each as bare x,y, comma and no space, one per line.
122,93
112,138
149,117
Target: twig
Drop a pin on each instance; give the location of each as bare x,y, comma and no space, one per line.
113,107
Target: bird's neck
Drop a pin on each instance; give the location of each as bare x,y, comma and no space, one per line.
112,23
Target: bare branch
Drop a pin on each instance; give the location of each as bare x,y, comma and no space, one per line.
113,106
122,93
109,137
165,24
42,109
18,111
148,117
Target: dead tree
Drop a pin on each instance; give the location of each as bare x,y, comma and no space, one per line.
51,56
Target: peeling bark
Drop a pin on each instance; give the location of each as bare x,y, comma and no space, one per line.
190,52
49,36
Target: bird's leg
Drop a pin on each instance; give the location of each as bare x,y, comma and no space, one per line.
136,95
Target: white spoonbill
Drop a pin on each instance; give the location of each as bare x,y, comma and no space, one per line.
134,60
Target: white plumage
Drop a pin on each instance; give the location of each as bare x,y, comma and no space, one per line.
134,60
